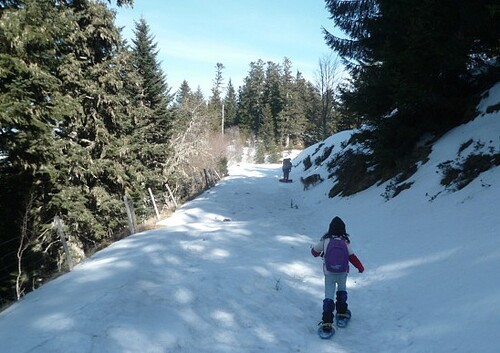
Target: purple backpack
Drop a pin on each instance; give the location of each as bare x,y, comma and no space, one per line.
336,255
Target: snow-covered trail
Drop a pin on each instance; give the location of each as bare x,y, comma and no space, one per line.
252,257
228,273
231,271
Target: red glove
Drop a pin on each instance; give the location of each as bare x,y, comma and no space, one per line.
314,252
353,259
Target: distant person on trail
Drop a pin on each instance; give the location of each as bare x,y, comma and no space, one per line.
335,248
287,167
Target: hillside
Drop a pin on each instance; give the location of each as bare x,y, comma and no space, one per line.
231,270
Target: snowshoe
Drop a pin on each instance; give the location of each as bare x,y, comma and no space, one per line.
326,330
343,319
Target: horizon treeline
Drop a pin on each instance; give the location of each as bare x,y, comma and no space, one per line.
275,107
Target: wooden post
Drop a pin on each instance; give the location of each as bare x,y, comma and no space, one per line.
207,179
171,195
131,223
222,113
134,218
154,203
218,176
60,231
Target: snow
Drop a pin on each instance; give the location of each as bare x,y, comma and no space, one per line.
231,271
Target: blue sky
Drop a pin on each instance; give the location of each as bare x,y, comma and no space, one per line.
193,35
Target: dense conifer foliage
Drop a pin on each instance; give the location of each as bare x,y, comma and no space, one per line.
278,107
416,66
152,128
63,138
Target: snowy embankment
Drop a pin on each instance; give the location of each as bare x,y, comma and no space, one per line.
231,270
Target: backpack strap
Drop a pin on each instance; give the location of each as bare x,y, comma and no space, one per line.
325,246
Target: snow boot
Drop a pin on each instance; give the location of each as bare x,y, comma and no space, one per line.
342,310
327,319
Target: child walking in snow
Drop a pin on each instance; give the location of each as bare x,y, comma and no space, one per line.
335,248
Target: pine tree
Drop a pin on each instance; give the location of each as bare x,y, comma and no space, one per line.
230,106
299,110
273,104
183,100
183,95
154,92
309,100
153,130
266,144
215,101
289,118
355,19
251,105
216,96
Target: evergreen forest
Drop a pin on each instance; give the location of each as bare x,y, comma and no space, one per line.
89,123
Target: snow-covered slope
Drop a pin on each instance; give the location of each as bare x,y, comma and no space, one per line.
231,270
